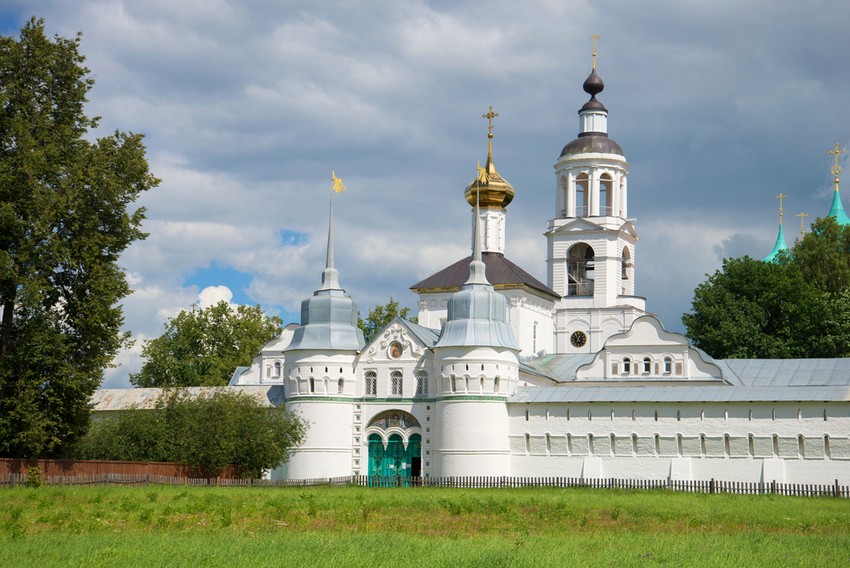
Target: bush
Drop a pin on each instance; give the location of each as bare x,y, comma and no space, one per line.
33,477
208,432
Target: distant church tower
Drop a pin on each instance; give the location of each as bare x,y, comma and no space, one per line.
591,242
780,244
837,209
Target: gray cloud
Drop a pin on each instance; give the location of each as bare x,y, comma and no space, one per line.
247,106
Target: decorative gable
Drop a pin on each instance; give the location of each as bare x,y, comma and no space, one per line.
648,352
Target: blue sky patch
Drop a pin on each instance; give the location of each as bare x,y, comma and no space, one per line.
293,238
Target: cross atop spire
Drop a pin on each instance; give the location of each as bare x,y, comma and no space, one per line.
780,197
836,169
802,217
593,38
490,115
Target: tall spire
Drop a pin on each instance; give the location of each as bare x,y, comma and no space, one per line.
780,245
837,209
330,276
477,268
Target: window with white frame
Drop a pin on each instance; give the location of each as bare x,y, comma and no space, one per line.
371,380
668,365
422,383
396,383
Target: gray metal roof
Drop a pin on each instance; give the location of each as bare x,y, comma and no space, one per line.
751,380
684,393
424,334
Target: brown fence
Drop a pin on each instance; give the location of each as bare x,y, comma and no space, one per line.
13,472
94,468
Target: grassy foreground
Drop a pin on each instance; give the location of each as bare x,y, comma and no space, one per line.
354,526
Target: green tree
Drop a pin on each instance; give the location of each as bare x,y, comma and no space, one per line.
796,307
208,431
380,316
203,347
64,220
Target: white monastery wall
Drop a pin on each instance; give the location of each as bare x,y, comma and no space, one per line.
792,443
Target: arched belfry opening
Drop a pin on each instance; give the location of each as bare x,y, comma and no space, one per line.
580,270
606,195
394,438
582,195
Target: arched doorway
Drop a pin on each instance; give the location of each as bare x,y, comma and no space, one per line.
395,445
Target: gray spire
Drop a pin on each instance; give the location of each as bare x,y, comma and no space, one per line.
330,276
477,268
477,314
329,317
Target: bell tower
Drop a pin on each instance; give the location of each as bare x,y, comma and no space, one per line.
591,240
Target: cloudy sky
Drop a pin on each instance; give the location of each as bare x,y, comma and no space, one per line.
247,105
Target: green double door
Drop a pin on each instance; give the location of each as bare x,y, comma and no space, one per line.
394,460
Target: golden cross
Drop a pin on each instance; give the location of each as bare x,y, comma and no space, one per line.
490,116
780,197
836,169
593,38
802,217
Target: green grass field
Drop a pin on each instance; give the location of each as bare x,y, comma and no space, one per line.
354,526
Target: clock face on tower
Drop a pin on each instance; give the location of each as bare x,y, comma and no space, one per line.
578,339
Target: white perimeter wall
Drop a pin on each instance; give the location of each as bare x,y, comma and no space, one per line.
733,441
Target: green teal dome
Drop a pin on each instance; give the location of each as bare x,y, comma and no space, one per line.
778,247
837,210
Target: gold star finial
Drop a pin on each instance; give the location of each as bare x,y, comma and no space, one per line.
780,197
490,115
802,217
593,38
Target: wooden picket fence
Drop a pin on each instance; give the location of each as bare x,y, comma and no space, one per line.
711,486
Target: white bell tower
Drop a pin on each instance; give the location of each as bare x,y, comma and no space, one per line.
591,241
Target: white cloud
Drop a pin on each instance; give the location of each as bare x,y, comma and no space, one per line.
247,106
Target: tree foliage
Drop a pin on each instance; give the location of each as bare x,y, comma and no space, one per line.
203,347
382,315
64,220
209,431
796,307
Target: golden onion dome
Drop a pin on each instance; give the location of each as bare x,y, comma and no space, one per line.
489,188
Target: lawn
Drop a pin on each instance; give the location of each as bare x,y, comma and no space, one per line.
355,526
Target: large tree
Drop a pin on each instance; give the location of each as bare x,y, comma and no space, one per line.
209,431
202,347
797,306
380,316
64,220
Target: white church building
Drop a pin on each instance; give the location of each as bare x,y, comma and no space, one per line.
507,376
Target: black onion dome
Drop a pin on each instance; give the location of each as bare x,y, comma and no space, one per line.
593,85
592,142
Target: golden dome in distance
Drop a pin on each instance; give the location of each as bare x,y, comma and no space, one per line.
489,187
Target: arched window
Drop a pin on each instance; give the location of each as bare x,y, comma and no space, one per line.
496,385
647,365
626,263
422,383
582,195
534,338
371,383
277,367
396,384
668,365
312,385
579,270
606,195
340,385
627,366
